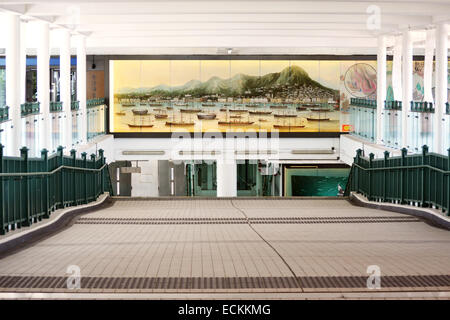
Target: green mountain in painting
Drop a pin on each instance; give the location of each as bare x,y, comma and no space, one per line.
291,82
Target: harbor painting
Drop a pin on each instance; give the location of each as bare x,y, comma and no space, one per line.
228,95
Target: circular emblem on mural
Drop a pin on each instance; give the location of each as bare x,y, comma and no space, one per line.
361,80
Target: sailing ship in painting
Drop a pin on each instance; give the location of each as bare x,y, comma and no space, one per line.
206,116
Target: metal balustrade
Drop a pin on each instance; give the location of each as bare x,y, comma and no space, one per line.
28,108
417,179
90,103
56,106
446,122
75,105
32,188
363,118
4,113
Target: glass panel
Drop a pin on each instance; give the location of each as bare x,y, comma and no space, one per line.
205,180
2,87
95,121
76,127
315,181
257,179
30,139
56,129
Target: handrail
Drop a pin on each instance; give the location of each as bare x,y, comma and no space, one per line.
404,167
15,174
47,183
420,179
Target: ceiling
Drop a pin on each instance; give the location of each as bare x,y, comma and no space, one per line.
249,27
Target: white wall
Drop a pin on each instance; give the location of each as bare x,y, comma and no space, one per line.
106,142
226,148
349,145
145,184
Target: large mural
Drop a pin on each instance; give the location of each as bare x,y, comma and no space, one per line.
236,95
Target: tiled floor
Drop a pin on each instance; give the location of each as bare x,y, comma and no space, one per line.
236,249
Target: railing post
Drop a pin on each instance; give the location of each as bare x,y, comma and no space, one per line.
60,155
73,155
2,206
85,180
424,162
385,176
402,176
25,188
448,183
102,162
371,157
94,177
357,160
44,157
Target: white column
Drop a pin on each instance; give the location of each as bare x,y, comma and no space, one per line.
397,69
441,86
407,73
381,86
43,84
226,178
12,33
428,66
64,80
81,84
23,60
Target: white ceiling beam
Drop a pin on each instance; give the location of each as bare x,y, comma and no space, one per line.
233,18
155,26
270,7
235,32
15,8
227,41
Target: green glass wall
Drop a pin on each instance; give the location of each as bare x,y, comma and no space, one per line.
314,181
201,179
252,182
2,87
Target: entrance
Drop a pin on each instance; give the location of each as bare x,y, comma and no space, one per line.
201,179
257,178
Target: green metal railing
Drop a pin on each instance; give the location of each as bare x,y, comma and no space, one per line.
75,105
31,188
56,106
95,102
422,106
28,108
393,105
4,113
418,179
360,102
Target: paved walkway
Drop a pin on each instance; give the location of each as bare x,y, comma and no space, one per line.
241,245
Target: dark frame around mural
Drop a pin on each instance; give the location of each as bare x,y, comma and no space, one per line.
108,58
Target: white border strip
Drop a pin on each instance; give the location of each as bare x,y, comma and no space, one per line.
225,296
